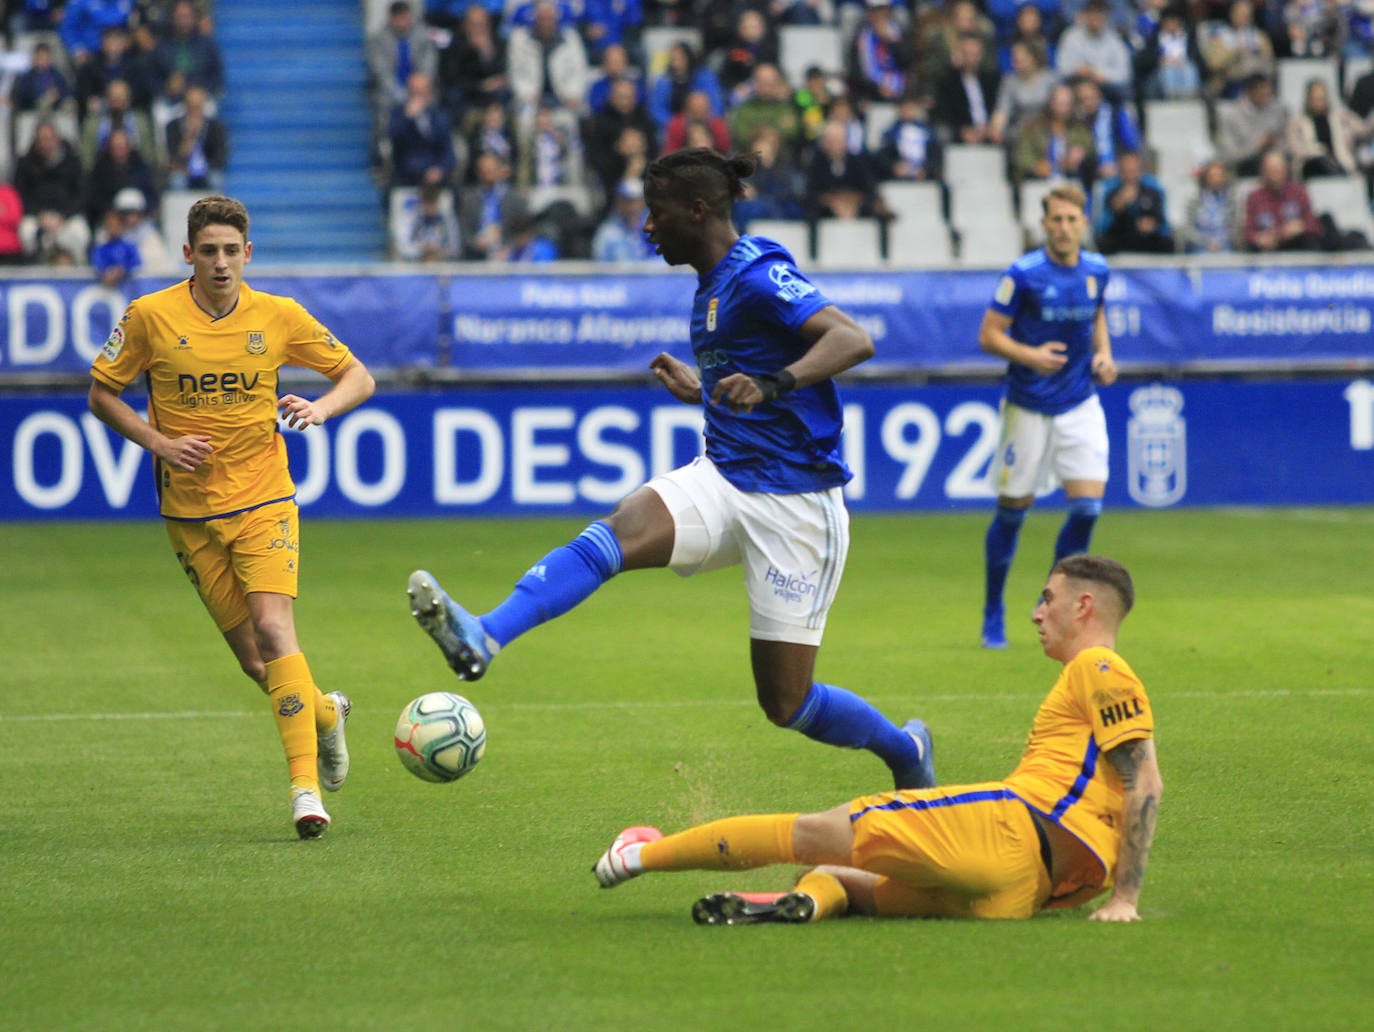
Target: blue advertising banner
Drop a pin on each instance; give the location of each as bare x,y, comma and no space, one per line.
58,325
922,320
598,325
527,451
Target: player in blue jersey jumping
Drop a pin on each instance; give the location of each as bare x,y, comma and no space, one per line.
1046,319
767,495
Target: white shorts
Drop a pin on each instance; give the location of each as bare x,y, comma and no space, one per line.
1038,452
792,546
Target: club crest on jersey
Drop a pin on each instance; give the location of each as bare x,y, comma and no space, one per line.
1092,287
790,286
711,310
183,342
257,344
114,343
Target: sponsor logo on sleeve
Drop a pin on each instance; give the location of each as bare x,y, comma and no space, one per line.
1005,289
791,287
114,343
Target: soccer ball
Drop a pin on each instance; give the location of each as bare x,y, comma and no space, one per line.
440,737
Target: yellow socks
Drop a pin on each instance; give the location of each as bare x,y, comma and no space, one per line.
326,713
826,890
731,844
292,694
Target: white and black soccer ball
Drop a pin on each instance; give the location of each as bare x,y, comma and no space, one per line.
440,737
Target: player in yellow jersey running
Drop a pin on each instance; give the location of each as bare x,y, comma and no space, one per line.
210,349
1075,818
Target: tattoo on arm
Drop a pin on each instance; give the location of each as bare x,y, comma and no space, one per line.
1126,759
1142,809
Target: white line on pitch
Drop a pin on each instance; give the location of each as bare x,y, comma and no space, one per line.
1258,693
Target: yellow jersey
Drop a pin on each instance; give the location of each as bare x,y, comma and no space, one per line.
217,377
1096,704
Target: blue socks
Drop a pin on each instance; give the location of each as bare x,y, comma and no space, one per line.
558,582
999,548
1077,531
836,716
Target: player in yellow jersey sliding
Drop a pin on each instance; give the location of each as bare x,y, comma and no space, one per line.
1075,818
210,349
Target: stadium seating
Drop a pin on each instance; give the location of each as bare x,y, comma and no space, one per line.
985,220
877,120
25,122
1033,192
914,203
849,244
402,197
801,46
1294,73
1177,135
174,206
656,41
974,163
1343,197
580,197
1354,69
913,244
793,235
988,245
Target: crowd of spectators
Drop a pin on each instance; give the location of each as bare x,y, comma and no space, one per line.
112,103
542,113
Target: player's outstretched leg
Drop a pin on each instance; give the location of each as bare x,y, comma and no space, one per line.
837,716
309,813
333,756
620,862
737,908
459,635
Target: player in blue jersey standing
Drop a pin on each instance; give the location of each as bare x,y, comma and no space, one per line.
1046,319
767,495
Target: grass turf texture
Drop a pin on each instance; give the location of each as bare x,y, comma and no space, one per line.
153,880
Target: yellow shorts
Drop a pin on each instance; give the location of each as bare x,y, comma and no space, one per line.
958,851
226,558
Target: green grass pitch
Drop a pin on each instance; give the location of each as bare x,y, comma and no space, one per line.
152,880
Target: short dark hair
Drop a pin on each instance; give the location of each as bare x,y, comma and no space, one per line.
216,210
699,173
1098,569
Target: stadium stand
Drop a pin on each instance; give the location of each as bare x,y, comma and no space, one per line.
792,234
801,46
849,244
300,129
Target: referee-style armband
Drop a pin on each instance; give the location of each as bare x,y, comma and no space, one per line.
774,385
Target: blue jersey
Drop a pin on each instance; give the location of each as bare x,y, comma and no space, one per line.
746,318
1047,301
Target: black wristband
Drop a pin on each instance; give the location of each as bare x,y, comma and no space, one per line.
774,385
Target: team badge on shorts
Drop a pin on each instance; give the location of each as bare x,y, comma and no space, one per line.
290,705
257,344
711,310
